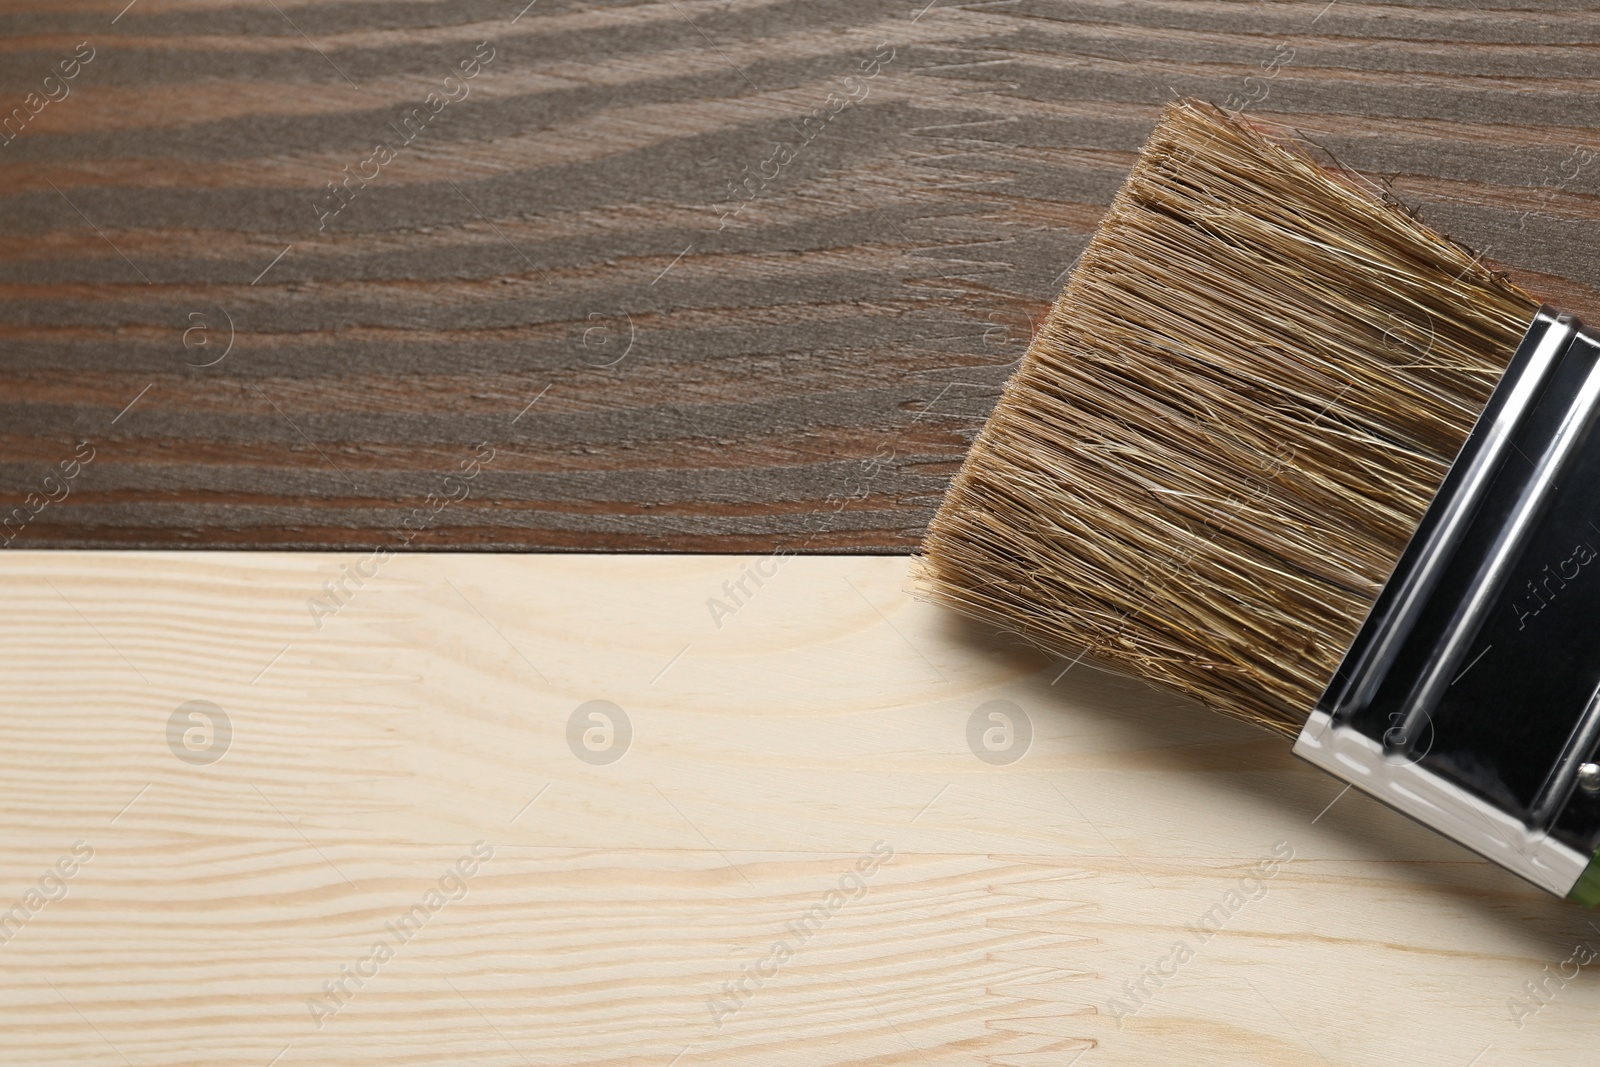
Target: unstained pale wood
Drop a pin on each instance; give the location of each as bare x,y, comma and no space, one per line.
826,717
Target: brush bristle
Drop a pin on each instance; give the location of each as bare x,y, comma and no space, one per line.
1232,420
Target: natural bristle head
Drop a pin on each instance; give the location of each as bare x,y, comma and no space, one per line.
1215,450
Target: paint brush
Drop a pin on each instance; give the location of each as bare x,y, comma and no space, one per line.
1284,449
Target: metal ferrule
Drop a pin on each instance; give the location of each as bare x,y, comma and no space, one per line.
1470,699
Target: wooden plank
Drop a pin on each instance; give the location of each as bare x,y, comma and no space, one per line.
804,371
626,912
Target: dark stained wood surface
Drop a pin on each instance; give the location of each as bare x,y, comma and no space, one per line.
805,372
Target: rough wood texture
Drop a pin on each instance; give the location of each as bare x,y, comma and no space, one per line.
805,372
829,715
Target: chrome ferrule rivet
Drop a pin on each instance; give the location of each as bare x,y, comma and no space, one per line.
1589,777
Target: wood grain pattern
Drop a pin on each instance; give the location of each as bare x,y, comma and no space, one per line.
828,716
805,372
